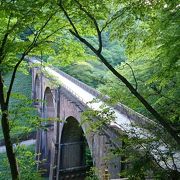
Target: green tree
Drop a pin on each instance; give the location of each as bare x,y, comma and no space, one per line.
91,20
15,20
149,31
32,31
91,70
151,36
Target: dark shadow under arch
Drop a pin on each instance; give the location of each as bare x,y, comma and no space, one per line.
37,90
47,131
48,104
73,150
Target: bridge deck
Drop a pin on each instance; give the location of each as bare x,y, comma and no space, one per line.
124,115
122,121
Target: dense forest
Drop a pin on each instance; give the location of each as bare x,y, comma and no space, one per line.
128,50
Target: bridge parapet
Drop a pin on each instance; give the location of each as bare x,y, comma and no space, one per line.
79,83
130,113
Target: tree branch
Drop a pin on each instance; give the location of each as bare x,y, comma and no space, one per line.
2,99
95,23
31,30
5,38
133,75
2,54
69,19
113,18
43,26
44,39
29,48
146,104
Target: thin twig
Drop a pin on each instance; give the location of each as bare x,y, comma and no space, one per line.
136,85
9,21
53,33
31,30
113,18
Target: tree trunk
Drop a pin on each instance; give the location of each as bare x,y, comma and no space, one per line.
6,132
9,146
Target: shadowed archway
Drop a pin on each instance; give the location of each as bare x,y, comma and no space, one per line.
74,151
37,91
47,132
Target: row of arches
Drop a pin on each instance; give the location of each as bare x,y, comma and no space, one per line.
71,146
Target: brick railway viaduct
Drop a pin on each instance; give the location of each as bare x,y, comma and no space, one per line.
62,143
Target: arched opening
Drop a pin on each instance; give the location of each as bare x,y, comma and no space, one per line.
75,158
49,110
37,91
46,136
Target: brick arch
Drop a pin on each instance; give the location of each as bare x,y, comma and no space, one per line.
48,104
71,126
73,148
46,134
